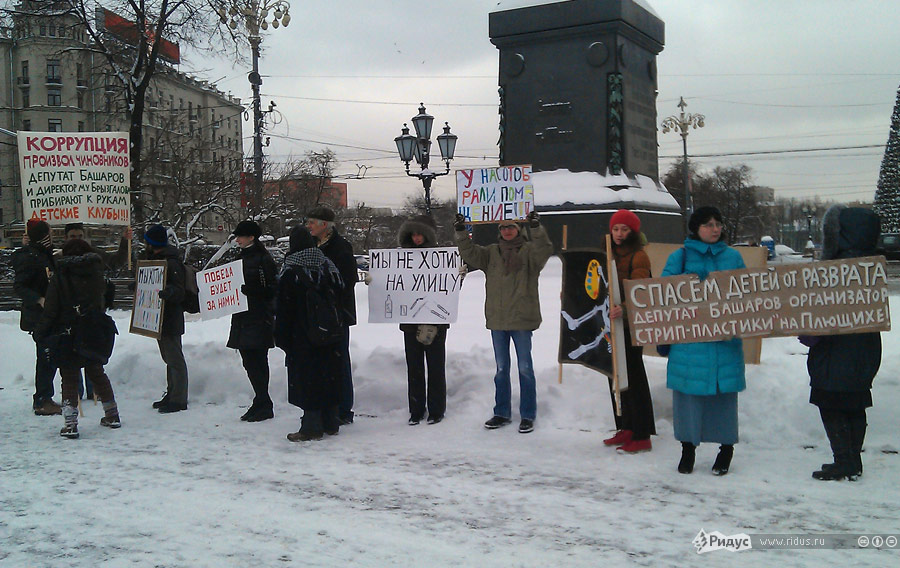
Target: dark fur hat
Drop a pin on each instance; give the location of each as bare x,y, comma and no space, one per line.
421,224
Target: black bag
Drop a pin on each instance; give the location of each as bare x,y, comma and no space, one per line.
95,335
324,325
191,302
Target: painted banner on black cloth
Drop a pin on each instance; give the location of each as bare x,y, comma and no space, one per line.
584,331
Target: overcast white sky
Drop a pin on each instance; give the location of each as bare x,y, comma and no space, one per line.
769,75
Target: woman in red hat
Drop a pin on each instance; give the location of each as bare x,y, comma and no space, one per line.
634,427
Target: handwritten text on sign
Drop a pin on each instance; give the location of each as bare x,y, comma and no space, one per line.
412,285
146,316
819,298
490,195
220,291
75,177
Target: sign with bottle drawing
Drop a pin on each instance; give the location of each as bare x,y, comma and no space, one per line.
411,285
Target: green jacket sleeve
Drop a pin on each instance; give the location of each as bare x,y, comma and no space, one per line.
475,256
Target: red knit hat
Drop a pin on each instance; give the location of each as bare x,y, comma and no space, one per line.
625,217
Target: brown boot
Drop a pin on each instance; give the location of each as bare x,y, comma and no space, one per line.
48,408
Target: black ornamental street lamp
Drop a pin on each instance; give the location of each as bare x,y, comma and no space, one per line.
681,123
418,147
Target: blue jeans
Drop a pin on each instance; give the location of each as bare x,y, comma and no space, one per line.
527,382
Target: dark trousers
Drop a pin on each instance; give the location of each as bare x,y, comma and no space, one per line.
256,363
417,355
44,371
176,368
637,406
345,408
71,378
846,431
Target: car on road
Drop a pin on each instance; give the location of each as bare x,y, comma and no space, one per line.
889,245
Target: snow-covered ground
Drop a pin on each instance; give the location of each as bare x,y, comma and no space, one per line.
201,488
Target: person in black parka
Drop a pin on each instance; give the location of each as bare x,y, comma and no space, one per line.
78,287
842,367
425,343
314,371
251,331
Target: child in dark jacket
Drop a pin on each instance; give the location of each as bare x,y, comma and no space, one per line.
842,367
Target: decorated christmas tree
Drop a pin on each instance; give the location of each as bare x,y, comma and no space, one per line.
887,194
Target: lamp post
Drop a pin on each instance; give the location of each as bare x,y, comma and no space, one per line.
419,147
682,124
255,15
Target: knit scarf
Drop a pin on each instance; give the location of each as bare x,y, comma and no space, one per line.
509,251
314,262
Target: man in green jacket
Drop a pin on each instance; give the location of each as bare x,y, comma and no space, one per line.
512,309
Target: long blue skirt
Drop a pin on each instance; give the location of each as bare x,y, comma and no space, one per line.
705,418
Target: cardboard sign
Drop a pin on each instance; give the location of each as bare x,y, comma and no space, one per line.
75,177
490,195
147,313
414,285
220,291
819,298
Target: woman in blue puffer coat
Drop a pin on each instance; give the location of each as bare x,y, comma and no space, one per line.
705,377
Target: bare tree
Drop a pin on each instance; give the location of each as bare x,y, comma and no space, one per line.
298,187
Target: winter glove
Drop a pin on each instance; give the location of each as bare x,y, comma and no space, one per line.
166,293
367,279
250,291
809,340
663,350
533,219
460,222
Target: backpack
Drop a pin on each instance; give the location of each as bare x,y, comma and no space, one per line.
324,324
191,302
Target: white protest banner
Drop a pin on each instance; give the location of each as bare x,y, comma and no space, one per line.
819,298
75,177
411,285
490,195
146,315
220,291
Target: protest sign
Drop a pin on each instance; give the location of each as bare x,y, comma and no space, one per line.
819,298
146,315
414,285
75,177
220,291
585,333
489,195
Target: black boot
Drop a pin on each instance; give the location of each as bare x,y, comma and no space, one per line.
857,438
723,460
688,451
331,423
837,427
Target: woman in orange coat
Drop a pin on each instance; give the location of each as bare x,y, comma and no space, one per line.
636,424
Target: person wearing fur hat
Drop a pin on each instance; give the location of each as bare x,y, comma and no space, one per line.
320,224
251,331
172,326
636,425
424,343
33,265
512,308
842,367
705,378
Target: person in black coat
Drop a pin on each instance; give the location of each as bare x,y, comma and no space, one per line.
320,223
314,371
424,343
172,327
77,288
33,265
251,331
842,367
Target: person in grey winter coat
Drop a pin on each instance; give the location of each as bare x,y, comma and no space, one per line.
314,371
172,327
842,367
33,265
77,288
251,331
512,309
424,343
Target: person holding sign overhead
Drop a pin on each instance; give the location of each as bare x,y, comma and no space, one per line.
251,331
172,327
424,343
512,308
634,427
705,378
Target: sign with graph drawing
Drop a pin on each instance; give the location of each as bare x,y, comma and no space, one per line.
414,285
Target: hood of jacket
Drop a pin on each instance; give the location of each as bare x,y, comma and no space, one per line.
418,225
83,265
849,232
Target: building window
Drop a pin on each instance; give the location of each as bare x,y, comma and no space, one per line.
53,70
54,125
43,30
79,74
26,124
52,30
80,126
26,98
25,71
54,97
80,96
